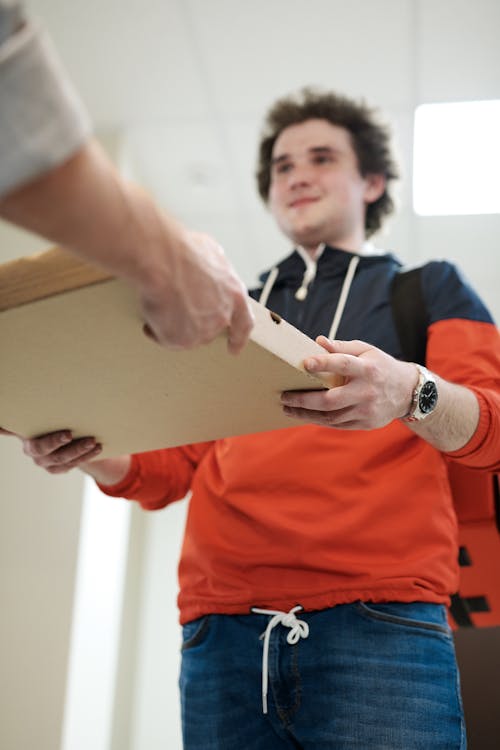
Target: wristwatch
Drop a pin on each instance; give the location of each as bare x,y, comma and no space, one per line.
425,396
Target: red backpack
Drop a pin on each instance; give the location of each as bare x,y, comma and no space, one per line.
476,494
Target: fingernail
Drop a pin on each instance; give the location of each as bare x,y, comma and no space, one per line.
310,364
65,438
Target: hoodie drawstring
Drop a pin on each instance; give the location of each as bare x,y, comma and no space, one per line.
309,276
346,287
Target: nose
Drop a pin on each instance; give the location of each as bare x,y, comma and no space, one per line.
300,176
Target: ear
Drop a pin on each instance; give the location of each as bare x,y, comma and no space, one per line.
374,187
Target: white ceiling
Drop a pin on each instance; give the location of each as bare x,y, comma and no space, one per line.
184,85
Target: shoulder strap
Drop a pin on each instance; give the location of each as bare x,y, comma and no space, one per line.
476,495
410,314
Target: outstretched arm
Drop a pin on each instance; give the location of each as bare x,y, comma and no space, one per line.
57,182
188,289
378,389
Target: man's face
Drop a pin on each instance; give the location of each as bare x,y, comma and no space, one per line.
317,193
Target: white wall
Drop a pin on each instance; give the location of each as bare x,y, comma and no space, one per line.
39,527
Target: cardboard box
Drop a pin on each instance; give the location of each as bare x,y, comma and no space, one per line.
74,356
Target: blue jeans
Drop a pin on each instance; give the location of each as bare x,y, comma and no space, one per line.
368,676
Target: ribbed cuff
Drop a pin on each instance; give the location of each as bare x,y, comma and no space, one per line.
479,436
125,485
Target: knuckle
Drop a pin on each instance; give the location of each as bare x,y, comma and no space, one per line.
32,448
371,397
371,370
344,365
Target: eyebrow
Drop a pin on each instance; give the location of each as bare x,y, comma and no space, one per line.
312,150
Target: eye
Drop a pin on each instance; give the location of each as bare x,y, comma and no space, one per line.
282,167
323,158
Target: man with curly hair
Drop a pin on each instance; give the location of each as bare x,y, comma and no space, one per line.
318,560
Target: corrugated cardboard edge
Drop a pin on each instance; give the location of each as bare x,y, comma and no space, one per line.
45,274
292,346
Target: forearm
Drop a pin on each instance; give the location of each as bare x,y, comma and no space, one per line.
454,420
153,479
187,289
378,390
87,207
107,471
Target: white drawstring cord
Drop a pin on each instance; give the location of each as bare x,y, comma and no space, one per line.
346,286
266,291
298,629
310,272
309,276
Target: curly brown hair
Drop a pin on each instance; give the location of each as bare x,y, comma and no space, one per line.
370,139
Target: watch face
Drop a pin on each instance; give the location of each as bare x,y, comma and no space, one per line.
428,397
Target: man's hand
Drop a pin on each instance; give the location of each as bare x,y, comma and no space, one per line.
377,389
196,296
58,452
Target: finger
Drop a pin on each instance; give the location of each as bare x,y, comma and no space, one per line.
164,340
46,444
85,458
242,323
327,344
341,364
334,399
77,451
354,348
342,418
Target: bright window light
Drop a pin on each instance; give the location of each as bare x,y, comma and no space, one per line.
456,158
95,638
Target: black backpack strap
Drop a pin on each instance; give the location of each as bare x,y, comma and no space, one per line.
410,314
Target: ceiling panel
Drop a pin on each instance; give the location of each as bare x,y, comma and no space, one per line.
252,52
458,50
131,60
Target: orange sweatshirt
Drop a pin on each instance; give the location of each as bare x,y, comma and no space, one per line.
316,516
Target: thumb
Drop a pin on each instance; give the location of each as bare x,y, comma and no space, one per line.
355,348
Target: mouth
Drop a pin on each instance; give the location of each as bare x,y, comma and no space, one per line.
304,201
